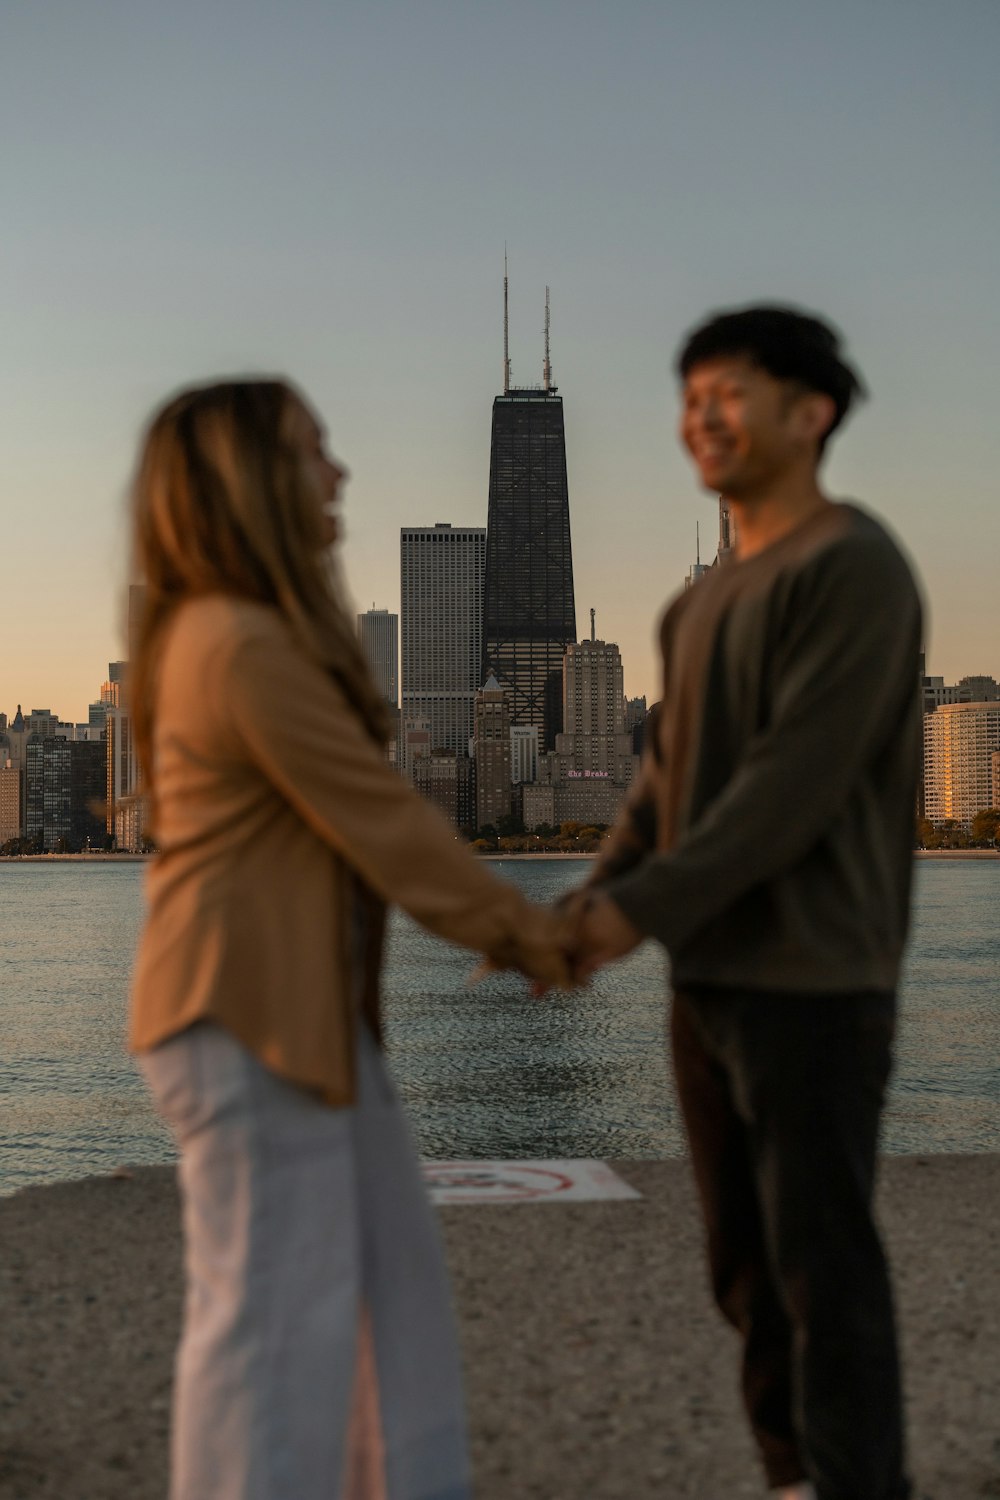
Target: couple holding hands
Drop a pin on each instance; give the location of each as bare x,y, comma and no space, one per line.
766,844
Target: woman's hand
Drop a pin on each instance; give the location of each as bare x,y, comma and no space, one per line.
539,949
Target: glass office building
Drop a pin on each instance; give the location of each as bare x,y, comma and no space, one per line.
529,611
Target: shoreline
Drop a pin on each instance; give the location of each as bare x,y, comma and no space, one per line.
957,853
594,1361
61,859
15,859
542,854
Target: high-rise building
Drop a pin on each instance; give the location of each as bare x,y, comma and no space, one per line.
42,721
124,817
593,689
492,755
727,544
416,742
590,801
959,742
593,762
11,800
47,790
87,781
14,756
442,569
594,739
978,689
727,529
697,568
378,632
523,753
64,792
636,712
447,782
530,610
17,739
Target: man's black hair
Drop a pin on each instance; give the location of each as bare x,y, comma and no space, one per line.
788,344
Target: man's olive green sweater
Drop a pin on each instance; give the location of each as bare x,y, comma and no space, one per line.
768,840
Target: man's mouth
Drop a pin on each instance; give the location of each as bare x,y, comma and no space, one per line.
712,452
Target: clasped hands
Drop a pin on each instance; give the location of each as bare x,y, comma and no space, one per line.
570,941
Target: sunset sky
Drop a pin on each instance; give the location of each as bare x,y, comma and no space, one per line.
325,190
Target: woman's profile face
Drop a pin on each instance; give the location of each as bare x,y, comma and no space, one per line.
325,474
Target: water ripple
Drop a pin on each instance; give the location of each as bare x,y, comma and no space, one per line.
485,1072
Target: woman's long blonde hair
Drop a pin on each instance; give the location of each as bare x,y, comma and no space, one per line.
222,504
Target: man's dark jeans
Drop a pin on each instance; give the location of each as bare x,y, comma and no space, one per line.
781,1095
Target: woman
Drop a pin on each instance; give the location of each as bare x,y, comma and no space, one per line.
282,833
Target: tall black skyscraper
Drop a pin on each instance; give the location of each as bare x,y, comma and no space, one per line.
529,612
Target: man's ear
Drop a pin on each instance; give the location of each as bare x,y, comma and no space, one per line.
813,416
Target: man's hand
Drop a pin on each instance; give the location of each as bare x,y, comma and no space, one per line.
541,950
602,934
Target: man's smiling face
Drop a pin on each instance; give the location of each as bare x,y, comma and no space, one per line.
744,428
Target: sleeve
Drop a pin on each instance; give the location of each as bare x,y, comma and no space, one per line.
844,675
294,724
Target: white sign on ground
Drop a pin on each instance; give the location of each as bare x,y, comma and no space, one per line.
523,1182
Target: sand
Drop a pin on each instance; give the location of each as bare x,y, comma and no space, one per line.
596,1366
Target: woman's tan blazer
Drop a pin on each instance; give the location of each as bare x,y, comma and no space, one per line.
273,802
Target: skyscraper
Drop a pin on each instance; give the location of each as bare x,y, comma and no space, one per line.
595,742
124,806
47,790
523,753
529,615
441,571
727,529
87,782
11,799
447,781
959,742
593,689
697,568
586,777
378,633
492,753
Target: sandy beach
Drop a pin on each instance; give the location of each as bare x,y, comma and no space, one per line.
596,1366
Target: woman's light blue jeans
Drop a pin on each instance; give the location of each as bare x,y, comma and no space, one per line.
297,1217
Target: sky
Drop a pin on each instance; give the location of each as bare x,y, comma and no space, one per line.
325,190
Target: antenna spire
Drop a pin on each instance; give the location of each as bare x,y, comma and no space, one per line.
546,364
697,542
593,624
506,328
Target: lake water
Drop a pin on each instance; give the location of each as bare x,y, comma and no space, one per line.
486,1072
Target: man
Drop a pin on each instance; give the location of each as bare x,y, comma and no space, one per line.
767,844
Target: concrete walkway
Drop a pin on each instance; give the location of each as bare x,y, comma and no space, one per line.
596,1367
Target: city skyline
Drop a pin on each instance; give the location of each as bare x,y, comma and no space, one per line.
193,197
68,786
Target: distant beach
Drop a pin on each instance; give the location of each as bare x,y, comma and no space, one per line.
65,859
104,859
957,853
